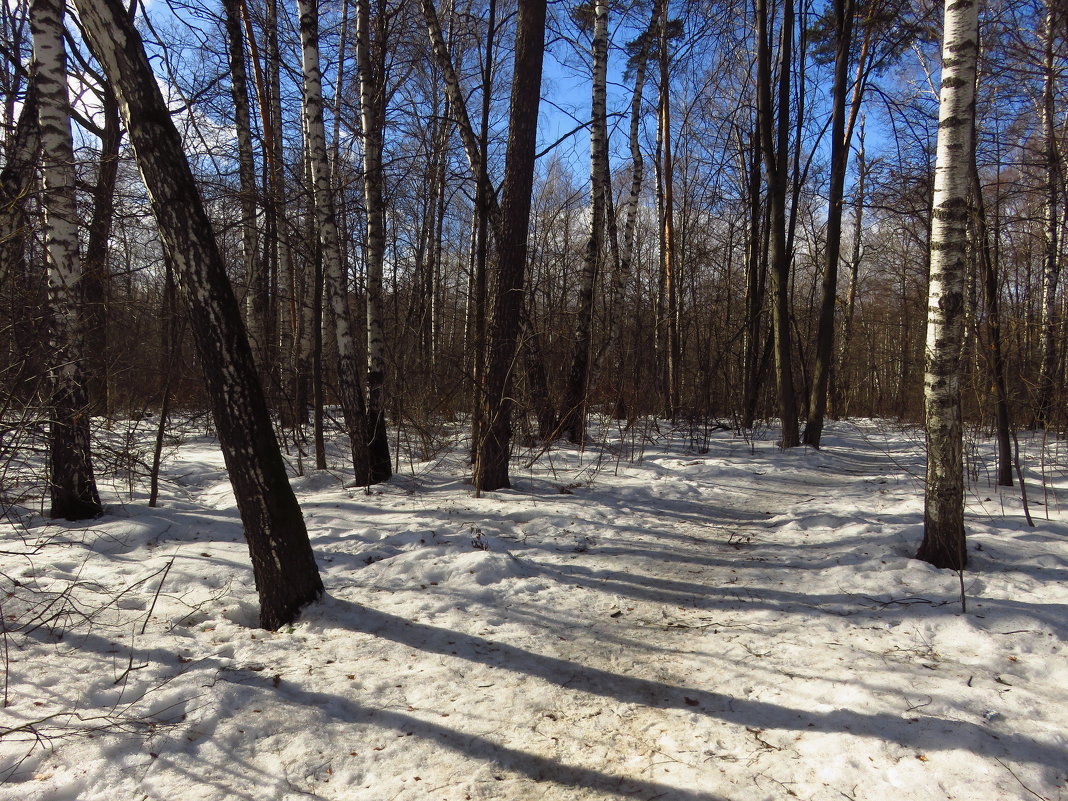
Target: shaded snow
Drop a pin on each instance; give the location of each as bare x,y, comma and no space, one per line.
723,622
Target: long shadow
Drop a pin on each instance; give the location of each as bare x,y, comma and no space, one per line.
536,767
948,734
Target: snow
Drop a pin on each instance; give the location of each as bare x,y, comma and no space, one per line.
669,614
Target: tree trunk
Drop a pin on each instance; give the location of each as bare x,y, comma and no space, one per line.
349,390
774,126
283,565
1052,266
97,271
372,122
943,526
667,324
491,460
253,279
817,407
994,345
574,410
71,482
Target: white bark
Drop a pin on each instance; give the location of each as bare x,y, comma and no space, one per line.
73,489
326,227
943,542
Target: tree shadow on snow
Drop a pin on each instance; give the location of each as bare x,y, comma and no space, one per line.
929,734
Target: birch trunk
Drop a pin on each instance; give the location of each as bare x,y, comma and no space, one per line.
943,526
283,565
350,392
574,411
71,483
1051,267
372,121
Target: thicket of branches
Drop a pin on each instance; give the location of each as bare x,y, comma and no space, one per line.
689,335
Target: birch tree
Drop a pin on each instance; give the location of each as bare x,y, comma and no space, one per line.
72,486
353,408
371,68
943,521
283,565
574,413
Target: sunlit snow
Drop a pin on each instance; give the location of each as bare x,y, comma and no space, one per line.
671,614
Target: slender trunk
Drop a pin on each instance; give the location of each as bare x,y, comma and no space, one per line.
1052,265
756,276
574,411
284,568
943,526
491,461
994,346
485,215
246,175
667,325
774,128
371,69
349,390
97,275
817,407
71,482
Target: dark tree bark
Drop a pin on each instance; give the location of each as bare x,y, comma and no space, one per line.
283,565
493,449
774,125
97,271
840,136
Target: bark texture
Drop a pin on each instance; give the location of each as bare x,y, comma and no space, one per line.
351,395
943,524
371,67
72,486
283,565
574,412
493,449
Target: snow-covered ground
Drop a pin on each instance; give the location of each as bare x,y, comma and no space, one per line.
645,620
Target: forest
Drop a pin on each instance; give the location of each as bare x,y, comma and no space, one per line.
320,278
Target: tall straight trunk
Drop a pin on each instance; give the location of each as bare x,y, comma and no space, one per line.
484,217
755,284
774,123
97,273
491,460
72,487
285,279
574,412
283,566
824,361
1052,265
246,174
258,298
371,68
350,393
667,324
994,345
943,524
